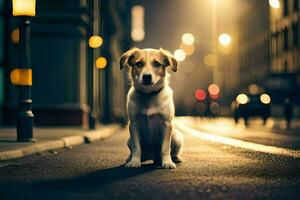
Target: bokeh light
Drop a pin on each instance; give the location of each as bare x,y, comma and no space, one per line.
137,23
265,99
95,41
101,62
253,89
188,39
209,60
213,89
188,49
179,55
224,39
242,99
200,94
274,3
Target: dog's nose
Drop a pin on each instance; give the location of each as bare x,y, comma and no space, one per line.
147,79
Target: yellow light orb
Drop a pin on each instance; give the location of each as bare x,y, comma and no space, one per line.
23,7
214,89
95,41
265,99
242,99
224,39
188,39
188,49
274,3
101,62
210,60
179,55
253,89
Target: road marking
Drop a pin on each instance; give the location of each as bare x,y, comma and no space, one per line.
238,143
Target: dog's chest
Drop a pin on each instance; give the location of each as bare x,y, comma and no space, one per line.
153,109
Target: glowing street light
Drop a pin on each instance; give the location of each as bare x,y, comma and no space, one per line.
24,9
242,99
188,39
101,62
179,55
265,99
137,23
224,39
274,3
95,41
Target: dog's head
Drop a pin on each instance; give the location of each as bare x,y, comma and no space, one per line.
148,67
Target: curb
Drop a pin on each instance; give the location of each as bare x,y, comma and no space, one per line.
64,142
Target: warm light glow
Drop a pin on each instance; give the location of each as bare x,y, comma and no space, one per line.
274,3
188,39
200,94
253,89
101,62
213,89
264,98
137,35
21,77
209,60
95,41
237,143
137,23
188,49
224,39
179,55
23,7
242,99
15,36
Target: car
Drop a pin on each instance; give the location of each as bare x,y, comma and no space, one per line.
252,105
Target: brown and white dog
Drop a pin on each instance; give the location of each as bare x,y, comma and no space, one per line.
150,108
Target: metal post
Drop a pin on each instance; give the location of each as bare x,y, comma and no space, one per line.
25,115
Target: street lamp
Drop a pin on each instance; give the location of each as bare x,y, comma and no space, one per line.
24,9
225,39
274,3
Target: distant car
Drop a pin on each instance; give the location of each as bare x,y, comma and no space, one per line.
247,105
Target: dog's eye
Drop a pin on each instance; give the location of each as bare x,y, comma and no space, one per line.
156,64
139,64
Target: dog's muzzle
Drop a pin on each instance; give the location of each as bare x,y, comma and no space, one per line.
147,79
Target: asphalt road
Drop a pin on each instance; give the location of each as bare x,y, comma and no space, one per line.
96,171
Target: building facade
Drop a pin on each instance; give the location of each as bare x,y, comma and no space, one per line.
284,79
67,88
253,44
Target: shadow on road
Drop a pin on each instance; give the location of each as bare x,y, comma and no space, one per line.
97,179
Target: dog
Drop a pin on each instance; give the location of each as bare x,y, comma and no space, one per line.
150,108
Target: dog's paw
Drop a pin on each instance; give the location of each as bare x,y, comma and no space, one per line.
168,165
177,159
133,164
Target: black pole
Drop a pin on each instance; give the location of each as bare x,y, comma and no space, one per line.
25,115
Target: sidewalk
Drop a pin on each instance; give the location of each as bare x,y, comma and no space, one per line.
50,139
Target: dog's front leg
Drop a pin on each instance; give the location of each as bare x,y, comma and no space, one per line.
167,162
135,147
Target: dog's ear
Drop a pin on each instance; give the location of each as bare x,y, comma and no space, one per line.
125,58
169,59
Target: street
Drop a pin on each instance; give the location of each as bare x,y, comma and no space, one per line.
96,171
